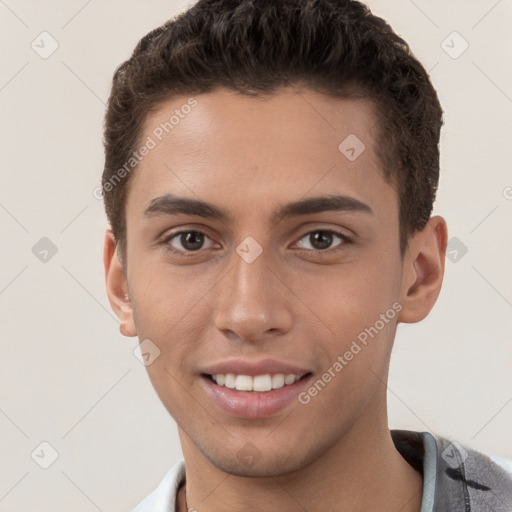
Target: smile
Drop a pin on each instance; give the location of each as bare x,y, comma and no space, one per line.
258,383
254,397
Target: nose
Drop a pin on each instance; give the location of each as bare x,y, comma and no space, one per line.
252,303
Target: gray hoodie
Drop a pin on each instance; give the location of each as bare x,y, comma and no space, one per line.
455,478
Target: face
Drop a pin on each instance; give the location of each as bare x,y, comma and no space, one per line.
291,272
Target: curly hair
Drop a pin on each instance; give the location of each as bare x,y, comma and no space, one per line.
336,47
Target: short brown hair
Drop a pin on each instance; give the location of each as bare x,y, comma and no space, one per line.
336,47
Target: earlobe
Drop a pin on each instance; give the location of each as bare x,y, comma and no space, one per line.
423,271
117,286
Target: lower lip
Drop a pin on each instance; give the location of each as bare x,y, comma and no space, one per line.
253,404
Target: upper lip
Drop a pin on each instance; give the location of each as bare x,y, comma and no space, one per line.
253,368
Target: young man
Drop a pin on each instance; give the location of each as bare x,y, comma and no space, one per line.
270,173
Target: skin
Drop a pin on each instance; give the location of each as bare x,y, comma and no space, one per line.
295,303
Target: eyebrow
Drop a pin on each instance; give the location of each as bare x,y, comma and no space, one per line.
170,204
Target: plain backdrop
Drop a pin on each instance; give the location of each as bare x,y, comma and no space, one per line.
69,379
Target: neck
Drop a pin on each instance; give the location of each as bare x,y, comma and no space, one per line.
362,471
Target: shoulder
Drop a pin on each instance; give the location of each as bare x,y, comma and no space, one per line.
456,477
471,478
163,497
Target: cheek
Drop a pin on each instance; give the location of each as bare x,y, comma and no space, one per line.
356,311
166,300
171,311
347,299
354,358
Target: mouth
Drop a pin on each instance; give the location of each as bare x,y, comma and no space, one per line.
257,383
254,396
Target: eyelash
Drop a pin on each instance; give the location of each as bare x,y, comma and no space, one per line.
346,240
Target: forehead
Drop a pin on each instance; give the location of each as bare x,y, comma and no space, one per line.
245,151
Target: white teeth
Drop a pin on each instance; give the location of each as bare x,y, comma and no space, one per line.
229,381
243,383
259,383
262,383
289,379
278,381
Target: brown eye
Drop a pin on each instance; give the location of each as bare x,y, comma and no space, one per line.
192,241
321,240
187,241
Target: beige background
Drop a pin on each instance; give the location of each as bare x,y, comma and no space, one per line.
70,379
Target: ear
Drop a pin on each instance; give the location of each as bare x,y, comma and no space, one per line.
117,286
423,271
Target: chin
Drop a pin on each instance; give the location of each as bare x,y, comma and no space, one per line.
249,461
